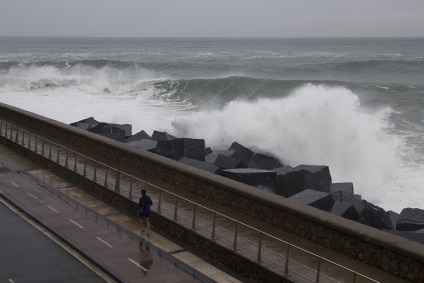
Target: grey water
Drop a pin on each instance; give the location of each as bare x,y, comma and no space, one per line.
355,104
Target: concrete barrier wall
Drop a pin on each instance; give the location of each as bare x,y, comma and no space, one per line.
246,268
393,254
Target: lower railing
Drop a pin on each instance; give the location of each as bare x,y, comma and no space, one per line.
271,252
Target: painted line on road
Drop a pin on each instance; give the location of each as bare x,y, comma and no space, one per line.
53,209
15,184
41,201
1,175
104,242
11,281
138,265
76,223
32,195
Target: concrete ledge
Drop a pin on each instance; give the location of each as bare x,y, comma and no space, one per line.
391,253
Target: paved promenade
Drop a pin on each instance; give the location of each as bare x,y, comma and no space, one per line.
91,227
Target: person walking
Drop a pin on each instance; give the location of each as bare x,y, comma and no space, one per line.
144,210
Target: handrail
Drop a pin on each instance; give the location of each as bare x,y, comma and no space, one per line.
52,146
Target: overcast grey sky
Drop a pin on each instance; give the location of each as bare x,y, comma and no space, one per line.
217,18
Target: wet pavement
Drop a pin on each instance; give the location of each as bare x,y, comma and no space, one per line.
120,257
24,257
109,239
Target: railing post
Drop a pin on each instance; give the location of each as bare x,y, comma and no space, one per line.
105,185
42,148
36,144
85,167
118,181
95,172
66,158
286,268
193,223
29,140
75,163
354,277
23,138
58,152
235,237
159,201
130,192
176,209
318,270
16,135
5,131
11,132
259,259
213,227
1,127
50,151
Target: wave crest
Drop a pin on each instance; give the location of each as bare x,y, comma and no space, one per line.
315,124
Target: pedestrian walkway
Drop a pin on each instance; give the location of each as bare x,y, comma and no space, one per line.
109,238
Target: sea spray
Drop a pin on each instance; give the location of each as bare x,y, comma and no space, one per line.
316,125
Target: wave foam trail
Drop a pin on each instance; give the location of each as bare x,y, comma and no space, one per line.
316,125
92,79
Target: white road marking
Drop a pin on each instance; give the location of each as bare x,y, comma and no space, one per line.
138,265
76,223
104,242
1,175
15,184
41,201
11,281
53,209
32,195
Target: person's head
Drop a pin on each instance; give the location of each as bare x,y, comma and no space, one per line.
143,191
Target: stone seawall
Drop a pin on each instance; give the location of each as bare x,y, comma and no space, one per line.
393,254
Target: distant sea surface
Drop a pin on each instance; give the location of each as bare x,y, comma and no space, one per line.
354,104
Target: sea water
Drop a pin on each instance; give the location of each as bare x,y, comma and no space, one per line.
354,104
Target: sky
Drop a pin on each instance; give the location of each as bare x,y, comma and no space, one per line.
217,18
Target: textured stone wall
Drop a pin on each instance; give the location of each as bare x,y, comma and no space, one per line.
387,252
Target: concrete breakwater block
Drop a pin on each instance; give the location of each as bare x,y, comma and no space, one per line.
138,137
109,131
346,210
320,200
223,161
363,212
251,176
144,144
162,136
182,147
241,153
200,164
291,181
376,216
86,124
410,219
262,161
105,129
342,191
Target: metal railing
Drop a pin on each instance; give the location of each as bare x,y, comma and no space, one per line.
271,252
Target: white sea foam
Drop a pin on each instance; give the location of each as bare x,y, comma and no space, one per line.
322,126
313,125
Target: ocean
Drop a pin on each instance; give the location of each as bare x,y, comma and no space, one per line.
354,104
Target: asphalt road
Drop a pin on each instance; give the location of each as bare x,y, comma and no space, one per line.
28,255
